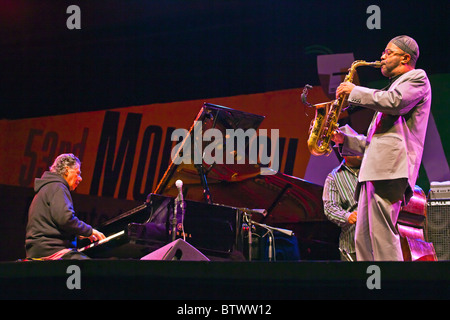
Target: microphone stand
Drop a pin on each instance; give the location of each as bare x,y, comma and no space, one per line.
247,214
250,241
248,218
183,208
179,202
174,219
270,230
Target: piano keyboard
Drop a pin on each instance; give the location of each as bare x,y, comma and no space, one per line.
97,243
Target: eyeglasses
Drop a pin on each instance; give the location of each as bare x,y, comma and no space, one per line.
389,52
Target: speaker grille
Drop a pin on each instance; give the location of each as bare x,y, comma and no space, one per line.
439,227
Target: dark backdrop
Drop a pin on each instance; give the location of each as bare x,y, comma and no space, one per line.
141,52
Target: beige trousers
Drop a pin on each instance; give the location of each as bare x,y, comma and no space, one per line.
379,204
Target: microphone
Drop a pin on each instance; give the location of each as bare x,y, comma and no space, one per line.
179,200
179,185
287,232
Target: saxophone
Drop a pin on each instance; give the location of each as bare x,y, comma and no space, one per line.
327,114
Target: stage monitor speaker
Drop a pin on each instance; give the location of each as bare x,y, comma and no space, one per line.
439,227
176,250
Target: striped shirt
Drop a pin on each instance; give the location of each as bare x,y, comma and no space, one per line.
339,203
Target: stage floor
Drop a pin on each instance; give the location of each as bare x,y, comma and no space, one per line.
231,281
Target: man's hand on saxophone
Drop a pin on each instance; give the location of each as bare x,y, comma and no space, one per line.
344,88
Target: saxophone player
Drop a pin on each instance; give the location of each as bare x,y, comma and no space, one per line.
392,149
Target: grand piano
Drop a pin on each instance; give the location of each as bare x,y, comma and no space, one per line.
229,208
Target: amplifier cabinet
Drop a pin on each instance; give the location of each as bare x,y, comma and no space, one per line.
438,227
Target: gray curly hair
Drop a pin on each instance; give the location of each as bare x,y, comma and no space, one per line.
63,161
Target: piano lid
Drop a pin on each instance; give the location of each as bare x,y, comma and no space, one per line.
286,199
186,166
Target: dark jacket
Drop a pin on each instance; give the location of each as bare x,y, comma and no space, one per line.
52,224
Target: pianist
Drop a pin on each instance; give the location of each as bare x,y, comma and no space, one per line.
52,225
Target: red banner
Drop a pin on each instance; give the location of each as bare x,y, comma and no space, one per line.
124,152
